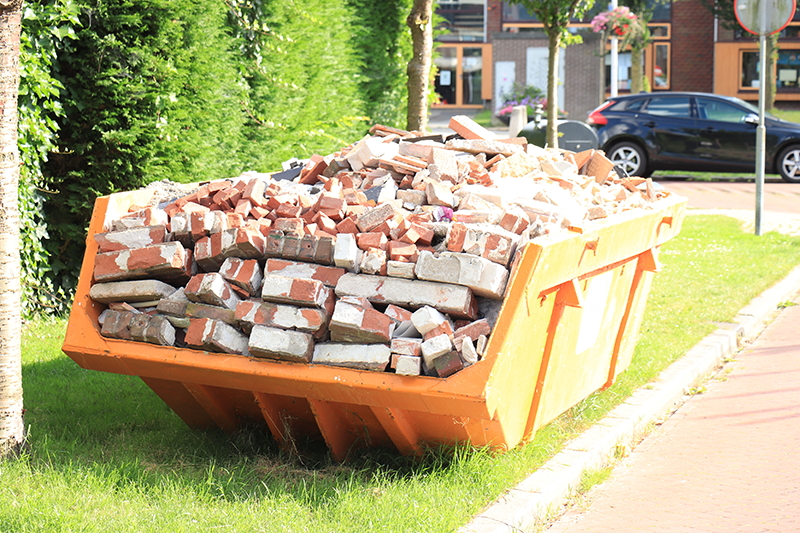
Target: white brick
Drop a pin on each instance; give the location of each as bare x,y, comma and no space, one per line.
345,252
435,347
277,343
409,365
427,318
359,356
484,277
399,269
454,300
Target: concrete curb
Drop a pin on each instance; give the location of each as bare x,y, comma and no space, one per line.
542,493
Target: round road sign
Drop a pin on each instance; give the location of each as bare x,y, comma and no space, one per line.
764,17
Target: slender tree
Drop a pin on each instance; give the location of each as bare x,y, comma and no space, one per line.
420,20
12,428
555,16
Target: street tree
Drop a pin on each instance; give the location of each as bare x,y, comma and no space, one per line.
555,16
420,21
12,428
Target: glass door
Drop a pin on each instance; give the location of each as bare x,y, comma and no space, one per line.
461,78
445,84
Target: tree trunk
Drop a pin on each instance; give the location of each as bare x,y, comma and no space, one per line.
419,67
771,60
12,428
637,71
553,48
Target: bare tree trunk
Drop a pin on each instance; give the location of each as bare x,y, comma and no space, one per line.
553,48
12,428
419,67
637,71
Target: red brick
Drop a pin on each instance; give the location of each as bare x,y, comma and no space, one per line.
347,225
399,251
398,314
456,237
290,225
365,241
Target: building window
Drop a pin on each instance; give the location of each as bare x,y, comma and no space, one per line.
463,20
661,66
750,69
788,69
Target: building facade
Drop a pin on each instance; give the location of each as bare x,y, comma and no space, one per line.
491,45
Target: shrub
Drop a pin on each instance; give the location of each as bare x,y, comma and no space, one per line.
520,94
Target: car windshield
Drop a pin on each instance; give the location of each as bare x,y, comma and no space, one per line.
753,109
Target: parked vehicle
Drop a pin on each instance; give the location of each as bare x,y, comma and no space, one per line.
693,131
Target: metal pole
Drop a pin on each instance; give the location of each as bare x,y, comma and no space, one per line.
614,82
761,130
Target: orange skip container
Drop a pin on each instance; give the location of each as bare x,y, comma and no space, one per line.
567,328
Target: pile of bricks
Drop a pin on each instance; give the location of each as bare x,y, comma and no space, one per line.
392,254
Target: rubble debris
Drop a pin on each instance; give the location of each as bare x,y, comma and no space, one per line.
392,254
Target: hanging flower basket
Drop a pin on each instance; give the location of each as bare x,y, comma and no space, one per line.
619,22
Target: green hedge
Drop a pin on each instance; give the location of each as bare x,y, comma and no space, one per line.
191,91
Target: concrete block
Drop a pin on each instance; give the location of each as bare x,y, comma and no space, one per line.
275,343
373,357
145,290
454,300
345,254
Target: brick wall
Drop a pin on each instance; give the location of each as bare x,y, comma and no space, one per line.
582,79
494,18
692,47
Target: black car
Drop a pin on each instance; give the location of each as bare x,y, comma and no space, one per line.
693,131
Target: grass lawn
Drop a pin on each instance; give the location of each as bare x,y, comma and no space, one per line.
107,455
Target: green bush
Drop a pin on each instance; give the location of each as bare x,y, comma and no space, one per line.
152,92
191,91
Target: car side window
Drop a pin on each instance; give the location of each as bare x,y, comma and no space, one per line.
670,107
711,109
636,105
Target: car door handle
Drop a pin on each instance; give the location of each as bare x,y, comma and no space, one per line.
649,124
709,130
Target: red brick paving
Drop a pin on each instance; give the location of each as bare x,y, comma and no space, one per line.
727,461
779,196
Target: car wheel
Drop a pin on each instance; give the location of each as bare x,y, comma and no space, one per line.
631,158
789,164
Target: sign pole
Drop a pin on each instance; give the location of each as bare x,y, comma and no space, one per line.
761,131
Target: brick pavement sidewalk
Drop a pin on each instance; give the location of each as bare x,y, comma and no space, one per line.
727,461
